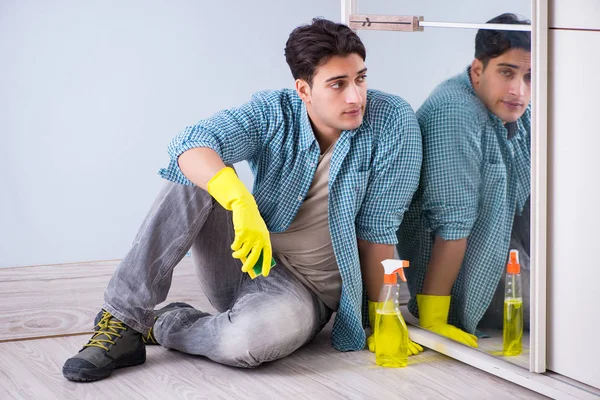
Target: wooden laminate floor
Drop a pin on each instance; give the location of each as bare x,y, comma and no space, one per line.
44,310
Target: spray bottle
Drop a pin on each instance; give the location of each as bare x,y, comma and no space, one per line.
391,333
512,333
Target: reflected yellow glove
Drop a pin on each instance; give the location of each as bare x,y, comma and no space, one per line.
251,233
413,348
433,313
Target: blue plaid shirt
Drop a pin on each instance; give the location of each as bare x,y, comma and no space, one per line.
373,175
475,178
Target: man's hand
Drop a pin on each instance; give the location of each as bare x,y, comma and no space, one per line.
251,233
434,302
413,348
433,316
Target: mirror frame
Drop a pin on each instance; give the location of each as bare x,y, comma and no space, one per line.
538,219
539,167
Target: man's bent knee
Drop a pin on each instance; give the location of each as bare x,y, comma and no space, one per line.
252,340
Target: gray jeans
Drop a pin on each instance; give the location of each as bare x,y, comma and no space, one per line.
259,320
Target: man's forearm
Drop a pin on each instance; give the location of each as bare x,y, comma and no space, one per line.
371,256
444,265
199,165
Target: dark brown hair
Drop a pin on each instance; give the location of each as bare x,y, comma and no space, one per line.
310,46
491,44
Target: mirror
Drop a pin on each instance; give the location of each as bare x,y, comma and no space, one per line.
472,206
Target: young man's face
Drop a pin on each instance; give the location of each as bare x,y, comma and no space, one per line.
336,101
504,85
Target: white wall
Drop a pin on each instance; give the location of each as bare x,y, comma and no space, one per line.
92,92
573,192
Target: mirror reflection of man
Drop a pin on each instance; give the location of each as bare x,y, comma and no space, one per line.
474,180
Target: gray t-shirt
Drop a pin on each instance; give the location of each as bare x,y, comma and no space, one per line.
305,247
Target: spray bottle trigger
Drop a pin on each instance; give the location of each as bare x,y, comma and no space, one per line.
392,267
400,271
513,266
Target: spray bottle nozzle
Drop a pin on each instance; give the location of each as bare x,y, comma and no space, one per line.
513,266
393,267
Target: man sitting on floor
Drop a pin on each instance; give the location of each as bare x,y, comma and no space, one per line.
335,166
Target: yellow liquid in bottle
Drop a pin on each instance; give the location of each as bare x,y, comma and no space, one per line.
513,327
391,340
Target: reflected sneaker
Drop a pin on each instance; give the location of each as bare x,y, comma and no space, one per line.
113,345
149,339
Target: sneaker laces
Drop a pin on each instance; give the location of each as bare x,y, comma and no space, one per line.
109,327
149,338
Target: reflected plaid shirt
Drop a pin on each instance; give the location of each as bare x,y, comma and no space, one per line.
373,175
475,178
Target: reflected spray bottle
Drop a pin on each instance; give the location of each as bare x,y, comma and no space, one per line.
512,332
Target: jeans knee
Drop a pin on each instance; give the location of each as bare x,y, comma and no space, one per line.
251,342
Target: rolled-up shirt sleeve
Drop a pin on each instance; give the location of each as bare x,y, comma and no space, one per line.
450,176
394,178
234,134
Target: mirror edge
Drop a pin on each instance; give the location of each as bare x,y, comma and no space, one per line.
538,222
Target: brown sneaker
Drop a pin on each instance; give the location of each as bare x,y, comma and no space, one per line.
113,345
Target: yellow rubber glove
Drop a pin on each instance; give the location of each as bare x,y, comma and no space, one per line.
433,313
413,348
251,233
